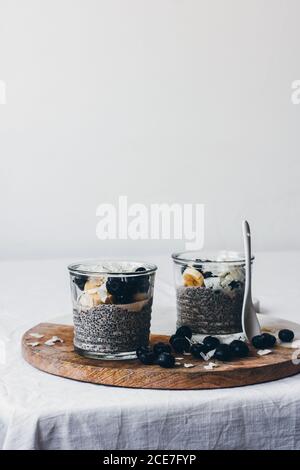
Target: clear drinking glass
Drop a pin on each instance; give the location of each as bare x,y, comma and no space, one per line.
112,304
210,292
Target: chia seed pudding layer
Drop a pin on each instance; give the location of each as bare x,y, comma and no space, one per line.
209,311
112,328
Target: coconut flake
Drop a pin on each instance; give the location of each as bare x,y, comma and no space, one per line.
295,344
188,365
53,340
103,294
178,358
210,353
211,366
208,356
177,364
212,283
56,339
33,344
36,335
264,352
186,354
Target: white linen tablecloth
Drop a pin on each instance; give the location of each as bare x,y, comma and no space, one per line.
40,411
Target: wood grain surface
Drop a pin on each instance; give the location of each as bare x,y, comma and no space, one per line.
61,360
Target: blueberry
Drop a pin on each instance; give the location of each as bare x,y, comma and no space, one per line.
172,339
180,344
142,350
140,269
147,358
286,335
258,342
160,348
197,349
239,348
234,284
166,360
207,274
269,340
183,268
223,353
80,282
184,331
198,267
211,342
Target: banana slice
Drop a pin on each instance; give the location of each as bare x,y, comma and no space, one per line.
88,300
93,284
192,277
140,296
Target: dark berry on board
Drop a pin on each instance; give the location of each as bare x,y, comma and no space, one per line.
142,350
166,360
181,345
147,358
269,340
172,339
184,331
160,348
258,342
197,349
223,353
286,336
211,342
239,348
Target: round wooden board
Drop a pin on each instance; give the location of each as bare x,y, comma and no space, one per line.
61,360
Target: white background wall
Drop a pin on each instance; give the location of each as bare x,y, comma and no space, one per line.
160,100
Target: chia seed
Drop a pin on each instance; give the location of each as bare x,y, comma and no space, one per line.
209,311
112,328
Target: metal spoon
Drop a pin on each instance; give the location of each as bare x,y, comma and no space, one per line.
250,322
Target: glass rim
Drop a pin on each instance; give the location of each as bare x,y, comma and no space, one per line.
184,258
74,268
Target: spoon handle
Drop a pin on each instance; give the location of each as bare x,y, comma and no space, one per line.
247,247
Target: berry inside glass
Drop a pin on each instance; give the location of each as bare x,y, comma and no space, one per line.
210,292
112,305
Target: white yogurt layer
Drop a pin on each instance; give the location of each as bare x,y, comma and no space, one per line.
109,267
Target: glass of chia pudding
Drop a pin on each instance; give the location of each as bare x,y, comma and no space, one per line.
210,292
112,303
